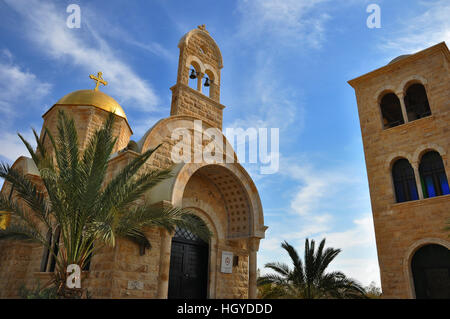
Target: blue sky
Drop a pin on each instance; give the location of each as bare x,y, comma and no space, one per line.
286,65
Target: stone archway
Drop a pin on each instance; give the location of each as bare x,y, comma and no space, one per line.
224,196
430,268
408,258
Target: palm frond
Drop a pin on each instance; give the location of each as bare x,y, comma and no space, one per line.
280,268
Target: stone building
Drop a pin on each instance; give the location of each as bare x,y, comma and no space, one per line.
404,112
222,194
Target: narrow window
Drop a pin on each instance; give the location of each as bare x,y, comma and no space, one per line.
208,86
55,249
404,181
391,111
432,175
45,254
87,264
193,78
416,102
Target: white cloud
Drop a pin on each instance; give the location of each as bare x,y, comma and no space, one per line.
16,85
286,21
45,25
432,26
320,204
358,259
321,189
274,106
357,241
12,146
362,235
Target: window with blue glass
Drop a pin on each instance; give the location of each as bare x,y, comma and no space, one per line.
404,181
432,175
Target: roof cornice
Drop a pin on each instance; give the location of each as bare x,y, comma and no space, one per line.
440,47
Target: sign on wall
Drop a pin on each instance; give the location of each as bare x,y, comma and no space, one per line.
227,262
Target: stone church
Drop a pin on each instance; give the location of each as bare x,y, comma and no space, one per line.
223,195
404,112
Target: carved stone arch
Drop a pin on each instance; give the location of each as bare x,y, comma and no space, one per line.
213,250
412,80
193,59
422,149
390,112
235,186
212,73
161,133
392,158
407,258
184,41
239,183
382,92
202,211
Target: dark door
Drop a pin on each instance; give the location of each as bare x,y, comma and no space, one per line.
431,272
188,275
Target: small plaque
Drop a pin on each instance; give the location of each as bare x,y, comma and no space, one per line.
227,262
135,285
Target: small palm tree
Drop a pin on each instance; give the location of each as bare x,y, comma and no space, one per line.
89,211
309,280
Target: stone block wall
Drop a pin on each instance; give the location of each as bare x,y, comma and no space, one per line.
187,101
88,119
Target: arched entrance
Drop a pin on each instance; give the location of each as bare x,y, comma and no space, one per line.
188,274
430,267
226,199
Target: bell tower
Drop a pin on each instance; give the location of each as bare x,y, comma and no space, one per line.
199,63
404,116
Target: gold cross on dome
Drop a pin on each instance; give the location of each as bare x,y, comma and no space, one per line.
98,79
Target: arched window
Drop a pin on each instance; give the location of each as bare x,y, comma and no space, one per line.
391,111
209,89
193,76
432,175
404,181
416,102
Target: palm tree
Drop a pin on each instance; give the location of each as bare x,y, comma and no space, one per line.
75,198
309,280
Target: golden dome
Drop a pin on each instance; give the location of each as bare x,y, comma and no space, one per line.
94,98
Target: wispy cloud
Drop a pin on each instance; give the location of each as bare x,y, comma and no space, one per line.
285,22
324,198
45,25
274,106
17,84
358,258
319,188
116,32
12,147
430,27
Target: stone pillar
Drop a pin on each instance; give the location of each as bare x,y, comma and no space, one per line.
199,81
415,166
253,246
403,106
164,264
